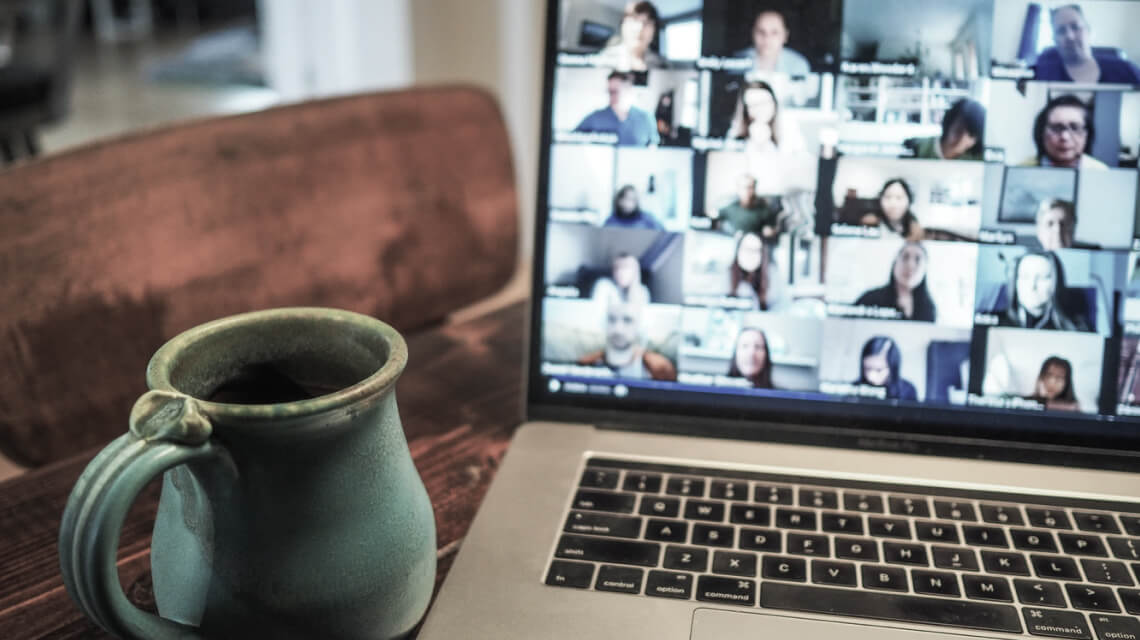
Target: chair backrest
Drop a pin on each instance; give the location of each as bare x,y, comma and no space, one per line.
399,205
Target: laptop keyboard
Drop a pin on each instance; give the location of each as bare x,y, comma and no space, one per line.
1011,563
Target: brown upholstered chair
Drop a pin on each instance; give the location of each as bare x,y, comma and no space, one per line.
399,205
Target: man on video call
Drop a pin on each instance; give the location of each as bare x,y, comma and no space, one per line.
769,51
749,212
634,127
1073,59
624,354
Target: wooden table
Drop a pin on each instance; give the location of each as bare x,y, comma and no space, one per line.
460,399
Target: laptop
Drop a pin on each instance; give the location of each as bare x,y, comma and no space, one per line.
835,329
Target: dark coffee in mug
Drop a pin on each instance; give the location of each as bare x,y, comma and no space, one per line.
274,383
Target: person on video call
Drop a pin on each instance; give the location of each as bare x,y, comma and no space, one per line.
880,367
624,285
749,212
1056,222
769,51
624,354
750,275
1054,386
1073,58
906,291
628,214
750,359
1064,133
1038,296
757,121
634,127
632,48
963,129
894,213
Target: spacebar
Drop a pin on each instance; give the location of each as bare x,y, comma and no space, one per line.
886,606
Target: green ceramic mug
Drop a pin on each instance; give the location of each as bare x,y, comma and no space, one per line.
290,505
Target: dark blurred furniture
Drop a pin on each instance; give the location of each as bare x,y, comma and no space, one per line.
38,37
400,205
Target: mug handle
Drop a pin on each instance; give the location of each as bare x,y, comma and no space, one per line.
166,429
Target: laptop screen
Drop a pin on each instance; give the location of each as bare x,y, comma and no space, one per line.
902,213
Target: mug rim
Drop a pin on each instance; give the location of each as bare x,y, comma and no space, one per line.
376,384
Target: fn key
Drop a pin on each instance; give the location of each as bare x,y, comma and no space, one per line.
570,574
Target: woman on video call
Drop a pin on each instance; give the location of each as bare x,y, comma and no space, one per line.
749,274
1064,133
894,213
632,48
1054,386
906,291
628,214
879,367
963,130
625,284
1038,294
757,121
750,359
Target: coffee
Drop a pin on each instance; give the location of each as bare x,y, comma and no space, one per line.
269,383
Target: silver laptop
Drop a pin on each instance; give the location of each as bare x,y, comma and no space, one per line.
835,329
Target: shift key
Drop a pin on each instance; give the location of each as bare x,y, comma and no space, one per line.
643,554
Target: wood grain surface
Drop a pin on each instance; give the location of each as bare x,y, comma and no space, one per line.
460,400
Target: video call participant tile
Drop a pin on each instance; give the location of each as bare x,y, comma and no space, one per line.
1019,370
1049,208
762,113
627,264
890,278
1086,42
783,36
1065,290
581,183
615,339
879,37
747,350
895,361
629,36
740,195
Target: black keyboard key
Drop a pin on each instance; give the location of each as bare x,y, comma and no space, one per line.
946,532
642,482
984,536
793,519
842,523
688,487
667,530
1130,598
601,524
819,498
599,478
734,564
619,579
880,577
808,545
1002,514
1048,518
891,607
570,574
862,502
1055,567
1056,624
1039,593
934,583
666,584
604,501
608,550
686,559
1079,544
1008,563
959,558
760,540
899,553
1030,540
729,489
1125,548
749,514
783,568
1096,522
773,494
856,549
889,528
909,506
1115,626
660,507
1131,525
834,573
707,511
1090,598
712,535
987,588
954,510
1106,572
726,590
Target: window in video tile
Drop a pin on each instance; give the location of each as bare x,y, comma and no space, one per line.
599,264
630,36
1019,370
